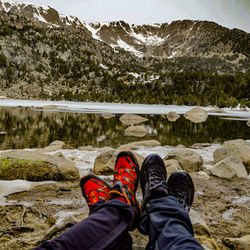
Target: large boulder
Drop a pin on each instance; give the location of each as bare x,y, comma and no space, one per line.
236,148
172,166
188,159
130,119
201,231
196,115
35,166
138,131
105,161
229,168
242,243
172,116
101,165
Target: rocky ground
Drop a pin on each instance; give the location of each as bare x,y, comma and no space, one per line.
221,205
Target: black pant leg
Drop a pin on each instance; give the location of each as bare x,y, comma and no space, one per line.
168,225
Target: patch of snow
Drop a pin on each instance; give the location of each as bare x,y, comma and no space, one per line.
151,130
148,40
134,74
92,30
60,202
129,48
241,200
200,193
173,54
227,215
155,25
63,214
39,18
103,66
20,2
101,138
207,153
17,186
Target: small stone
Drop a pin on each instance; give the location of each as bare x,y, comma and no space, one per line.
107,115
138,131
131,119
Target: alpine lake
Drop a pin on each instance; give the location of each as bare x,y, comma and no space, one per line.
33,128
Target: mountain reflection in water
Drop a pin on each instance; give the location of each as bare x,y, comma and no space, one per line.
30,128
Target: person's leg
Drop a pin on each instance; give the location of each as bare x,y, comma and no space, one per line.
112,211
165,207
105,228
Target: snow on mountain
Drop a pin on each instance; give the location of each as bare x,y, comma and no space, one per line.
7,4
180,38
128,48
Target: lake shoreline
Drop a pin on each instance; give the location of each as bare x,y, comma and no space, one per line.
117,108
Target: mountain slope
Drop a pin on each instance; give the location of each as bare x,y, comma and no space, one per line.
180,38
47,55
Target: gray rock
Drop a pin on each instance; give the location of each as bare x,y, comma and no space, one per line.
131,119
107,115
242,243
138,131
188,159
172,116
196,115
229,168
101,165
35,166
105,161
236,148
172,166
56,143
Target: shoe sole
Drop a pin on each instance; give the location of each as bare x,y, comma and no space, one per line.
134,160
144,164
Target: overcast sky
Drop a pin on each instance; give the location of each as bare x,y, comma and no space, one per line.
229,13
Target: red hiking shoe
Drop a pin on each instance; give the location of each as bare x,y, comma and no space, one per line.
125,183
127,170
94,189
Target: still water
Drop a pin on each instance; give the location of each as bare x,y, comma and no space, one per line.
31,128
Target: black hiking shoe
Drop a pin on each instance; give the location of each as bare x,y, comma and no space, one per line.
180,185
153,178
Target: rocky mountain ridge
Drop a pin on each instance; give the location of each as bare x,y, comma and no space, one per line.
45,55
177,39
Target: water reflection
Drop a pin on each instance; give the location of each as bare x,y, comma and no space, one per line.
30,128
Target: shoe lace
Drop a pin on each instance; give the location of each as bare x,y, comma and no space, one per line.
156,179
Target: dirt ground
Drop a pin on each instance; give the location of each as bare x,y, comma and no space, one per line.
223,204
